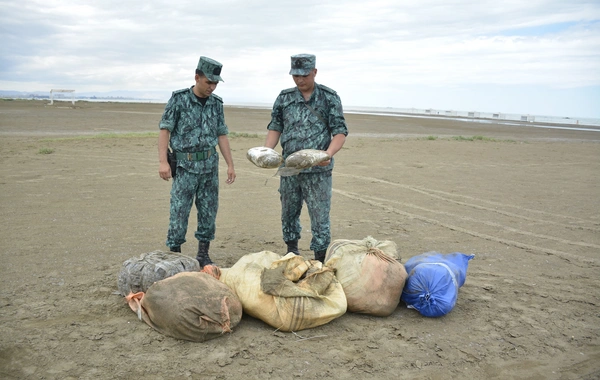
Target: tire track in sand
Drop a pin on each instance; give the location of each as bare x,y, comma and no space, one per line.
487,223
378,203
430,193
384,204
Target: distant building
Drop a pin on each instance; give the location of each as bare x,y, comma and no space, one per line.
61,90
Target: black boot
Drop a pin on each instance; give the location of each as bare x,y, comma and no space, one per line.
175,249
292,246
320,255
202,256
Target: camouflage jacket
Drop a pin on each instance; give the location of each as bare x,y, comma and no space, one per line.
194,127
300,128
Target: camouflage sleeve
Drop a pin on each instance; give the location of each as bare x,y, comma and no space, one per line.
221,126
169,117
276,123
337,122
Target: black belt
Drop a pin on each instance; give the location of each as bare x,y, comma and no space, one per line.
195,156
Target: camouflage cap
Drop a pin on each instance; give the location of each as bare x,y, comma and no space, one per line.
210,68
302,64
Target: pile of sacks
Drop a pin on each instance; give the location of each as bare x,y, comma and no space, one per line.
170,293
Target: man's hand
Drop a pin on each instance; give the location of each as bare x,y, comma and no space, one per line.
230,175
164,171
336,144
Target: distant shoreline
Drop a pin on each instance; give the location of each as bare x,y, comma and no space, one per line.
583,124
542,124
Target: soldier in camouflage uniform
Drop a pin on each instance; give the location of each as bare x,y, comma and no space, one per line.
308,116
192,124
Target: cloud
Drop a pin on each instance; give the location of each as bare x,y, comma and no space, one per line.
367,51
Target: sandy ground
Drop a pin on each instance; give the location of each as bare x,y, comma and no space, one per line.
525,200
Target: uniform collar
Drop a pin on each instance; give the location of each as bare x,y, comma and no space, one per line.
195,99
314,94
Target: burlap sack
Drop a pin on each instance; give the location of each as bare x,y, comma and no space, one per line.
191,306
288,293
370,274
138,273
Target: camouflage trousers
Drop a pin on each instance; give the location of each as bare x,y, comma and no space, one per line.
187,188
315,190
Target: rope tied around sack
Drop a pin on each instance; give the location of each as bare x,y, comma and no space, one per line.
379,254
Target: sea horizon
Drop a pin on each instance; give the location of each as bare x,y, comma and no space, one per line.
430,113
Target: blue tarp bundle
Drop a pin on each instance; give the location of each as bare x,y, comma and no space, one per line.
433,281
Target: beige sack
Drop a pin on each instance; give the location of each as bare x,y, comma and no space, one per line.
288,293
192,306
370,274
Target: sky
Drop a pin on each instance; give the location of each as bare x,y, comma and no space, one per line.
538,57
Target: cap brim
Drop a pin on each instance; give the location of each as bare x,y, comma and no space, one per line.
300,71
214,78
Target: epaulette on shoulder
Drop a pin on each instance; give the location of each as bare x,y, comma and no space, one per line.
327,89
217,97
288,90
180,91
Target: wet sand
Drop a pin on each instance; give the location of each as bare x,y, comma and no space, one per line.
80,194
